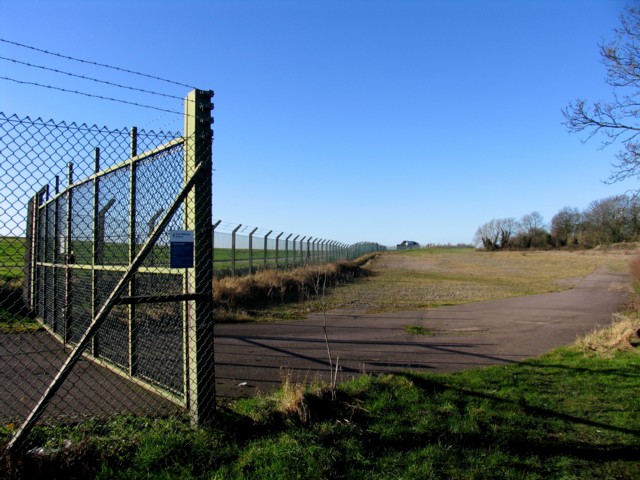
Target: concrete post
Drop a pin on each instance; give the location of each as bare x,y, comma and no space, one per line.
199,368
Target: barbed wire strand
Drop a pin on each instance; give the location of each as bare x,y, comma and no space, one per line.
83,77
76,92
89,62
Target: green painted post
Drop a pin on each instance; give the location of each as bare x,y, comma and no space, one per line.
251,250
278,247
302,250
132,291
265,248
199,368
213,242
286,250
233,250
70,257
294,250
56,256
97,245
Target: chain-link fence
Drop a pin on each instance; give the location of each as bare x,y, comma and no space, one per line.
102,312
241,249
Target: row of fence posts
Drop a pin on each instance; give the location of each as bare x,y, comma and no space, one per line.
287,253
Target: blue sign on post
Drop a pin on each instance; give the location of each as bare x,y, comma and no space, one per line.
181,249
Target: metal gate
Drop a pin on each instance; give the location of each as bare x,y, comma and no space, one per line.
101,272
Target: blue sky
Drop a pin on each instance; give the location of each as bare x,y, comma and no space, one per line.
348,120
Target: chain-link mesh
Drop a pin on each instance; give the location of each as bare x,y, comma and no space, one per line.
94,318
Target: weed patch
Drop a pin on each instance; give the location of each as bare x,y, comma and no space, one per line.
417,330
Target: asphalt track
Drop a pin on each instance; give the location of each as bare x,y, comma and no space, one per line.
253,358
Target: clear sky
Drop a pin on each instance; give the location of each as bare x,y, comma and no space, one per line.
348,120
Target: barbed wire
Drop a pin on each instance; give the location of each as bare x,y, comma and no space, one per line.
92,95
83,77
89,62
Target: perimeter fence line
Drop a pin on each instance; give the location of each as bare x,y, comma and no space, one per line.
241,250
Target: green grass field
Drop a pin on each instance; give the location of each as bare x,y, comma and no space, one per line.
12,318
12,250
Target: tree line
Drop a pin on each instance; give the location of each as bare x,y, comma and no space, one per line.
611,220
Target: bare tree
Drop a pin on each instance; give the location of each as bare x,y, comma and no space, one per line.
533,232
487,235
564,226
605,220
617,120
496,234
507,227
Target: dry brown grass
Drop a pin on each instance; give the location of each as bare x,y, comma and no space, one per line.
622,335
292,399
234,294
634,268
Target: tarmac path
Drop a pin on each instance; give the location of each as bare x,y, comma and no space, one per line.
254,358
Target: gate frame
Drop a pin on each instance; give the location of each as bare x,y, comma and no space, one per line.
198,347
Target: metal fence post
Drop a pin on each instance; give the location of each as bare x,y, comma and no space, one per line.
233,250
278,247
295,261
56,256
97,243
302,250
200,368
251,249
132,330
70,258
31,251
286,250
213,242
265,248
